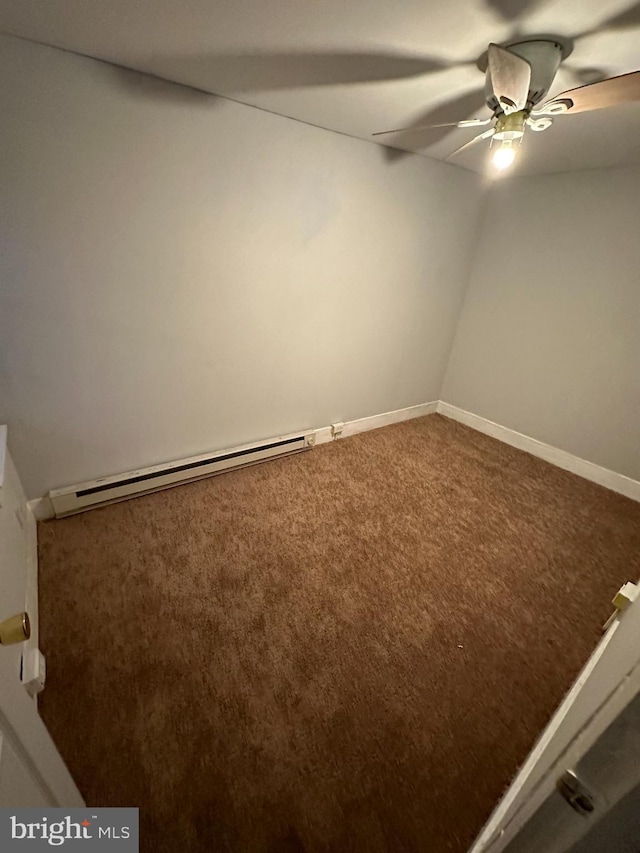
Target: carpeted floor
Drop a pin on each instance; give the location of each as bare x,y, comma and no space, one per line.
351,649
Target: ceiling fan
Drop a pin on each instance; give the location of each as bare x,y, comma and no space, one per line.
518,77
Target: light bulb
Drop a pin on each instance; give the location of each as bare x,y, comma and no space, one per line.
505,155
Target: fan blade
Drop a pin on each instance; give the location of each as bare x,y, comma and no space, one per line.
474,122
437,121
510,78
471,122
486,135
596,96
235,72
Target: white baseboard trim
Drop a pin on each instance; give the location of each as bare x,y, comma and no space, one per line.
325,435
602,476
42,508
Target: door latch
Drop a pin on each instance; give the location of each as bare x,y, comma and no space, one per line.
576,793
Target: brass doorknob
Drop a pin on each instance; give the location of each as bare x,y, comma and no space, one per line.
15,629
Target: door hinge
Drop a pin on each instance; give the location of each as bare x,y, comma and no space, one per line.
625,596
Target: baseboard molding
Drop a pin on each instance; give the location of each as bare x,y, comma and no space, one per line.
325,435
602,476
42,508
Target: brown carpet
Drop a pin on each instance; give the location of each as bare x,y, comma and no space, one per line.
348,650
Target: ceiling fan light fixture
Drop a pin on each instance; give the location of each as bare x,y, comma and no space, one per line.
517,78
504,155
510,127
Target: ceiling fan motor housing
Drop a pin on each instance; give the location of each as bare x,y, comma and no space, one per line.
544,57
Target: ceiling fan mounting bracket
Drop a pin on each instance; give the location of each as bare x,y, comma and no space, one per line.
563,42
556,107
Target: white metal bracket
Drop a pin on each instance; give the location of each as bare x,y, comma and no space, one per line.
539,124
34,671
625,596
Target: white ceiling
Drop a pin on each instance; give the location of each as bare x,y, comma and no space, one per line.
273,53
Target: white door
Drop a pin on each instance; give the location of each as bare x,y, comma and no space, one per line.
607,778
32,773
606,685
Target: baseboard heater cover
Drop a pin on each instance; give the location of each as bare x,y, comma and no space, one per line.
84,496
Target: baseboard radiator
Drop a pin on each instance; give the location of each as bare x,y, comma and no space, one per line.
84,496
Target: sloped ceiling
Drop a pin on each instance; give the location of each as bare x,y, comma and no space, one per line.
365,65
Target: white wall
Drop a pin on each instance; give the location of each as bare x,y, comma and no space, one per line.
548,342
181,273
